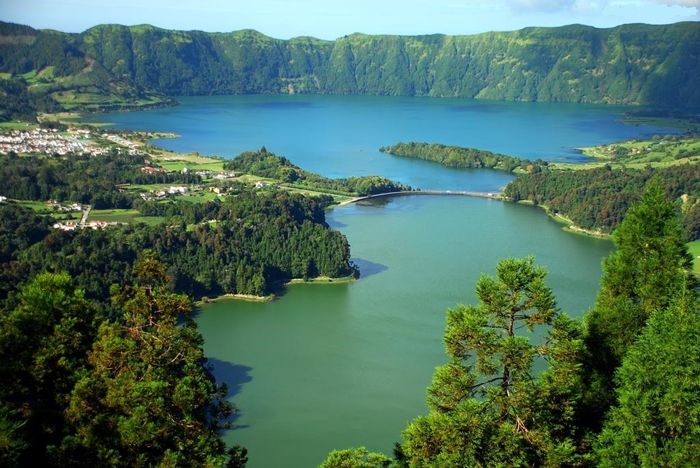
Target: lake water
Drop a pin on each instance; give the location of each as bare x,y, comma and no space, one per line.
340,136
334,366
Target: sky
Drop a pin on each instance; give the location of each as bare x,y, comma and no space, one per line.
329,19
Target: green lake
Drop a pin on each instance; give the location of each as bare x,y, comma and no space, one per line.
332,366
341,365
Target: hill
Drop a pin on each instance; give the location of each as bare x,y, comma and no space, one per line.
112,65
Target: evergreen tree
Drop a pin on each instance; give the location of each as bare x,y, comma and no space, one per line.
650,265
486,406
43,349
657,420
148,399
355,458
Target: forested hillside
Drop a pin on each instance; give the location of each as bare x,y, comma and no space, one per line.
457,156
599,198
265,164
247,244
631,64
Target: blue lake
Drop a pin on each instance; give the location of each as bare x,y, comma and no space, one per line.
340,136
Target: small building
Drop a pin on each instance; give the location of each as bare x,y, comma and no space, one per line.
152,170
225,175
68,226
95,225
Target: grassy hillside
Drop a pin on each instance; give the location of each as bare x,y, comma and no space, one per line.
50,71
631,64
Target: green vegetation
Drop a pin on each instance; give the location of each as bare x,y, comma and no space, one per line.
355,458
112,67
43,208
173,161
246,244
93,382
527,386
179,165
648,270
17,125
142,402
658,415
694,249
82,179
123,216
486,407
80,389
591,197
455,156
18,104
669,150
598,199
264,164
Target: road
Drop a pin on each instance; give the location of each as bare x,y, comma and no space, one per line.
86,213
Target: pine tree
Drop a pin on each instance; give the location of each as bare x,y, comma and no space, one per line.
148,399
355,458
650,265
486,405
43,349
657,420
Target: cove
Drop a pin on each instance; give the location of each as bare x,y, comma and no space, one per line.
334,366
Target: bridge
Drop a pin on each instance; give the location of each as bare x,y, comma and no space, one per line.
490,195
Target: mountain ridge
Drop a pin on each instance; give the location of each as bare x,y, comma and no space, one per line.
633,64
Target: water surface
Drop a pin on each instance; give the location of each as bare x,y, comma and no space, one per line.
333,366
340,136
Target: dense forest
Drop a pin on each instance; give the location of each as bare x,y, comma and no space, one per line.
265,164
109,66
456,156
20,104
598,199
83,179
84,389
525,385
247,244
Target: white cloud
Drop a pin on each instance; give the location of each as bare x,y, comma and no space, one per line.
685,3
552,6
541,5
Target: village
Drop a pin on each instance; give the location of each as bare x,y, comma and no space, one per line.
51,141
81,141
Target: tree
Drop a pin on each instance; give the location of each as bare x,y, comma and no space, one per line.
148,399
650,265
657,420
355,458
43,349
486,405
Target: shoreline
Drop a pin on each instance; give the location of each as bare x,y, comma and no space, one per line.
271,297
568,225
146,137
